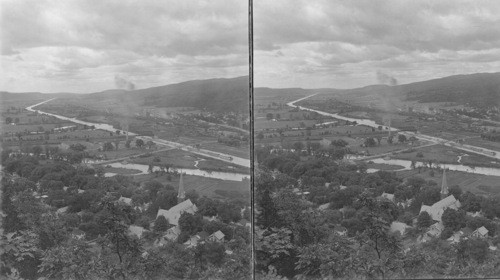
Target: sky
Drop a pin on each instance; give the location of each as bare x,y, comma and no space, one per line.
350,44
87,46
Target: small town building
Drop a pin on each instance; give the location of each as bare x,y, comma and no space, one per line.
217,236
481,232
399,227
172,233
388,196
437,209
136,230
173,214
125,200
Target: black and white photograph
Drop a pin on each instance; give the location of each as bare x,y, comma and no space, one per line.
376,139
125,140
249,139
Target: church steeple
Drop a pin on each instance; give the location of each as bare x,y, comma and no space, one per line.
181,196
444,185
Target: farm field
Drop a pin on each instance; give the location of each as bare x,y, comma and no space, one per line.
182,159
444,154
477,141
243,151
213,188
475,183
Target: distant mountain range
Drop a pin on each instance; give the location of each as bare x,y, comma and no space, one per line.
223,95
480,90
219,95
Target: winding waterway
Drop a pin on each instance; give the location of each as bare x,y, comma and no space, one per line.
216,155
406,164
371,123
143,169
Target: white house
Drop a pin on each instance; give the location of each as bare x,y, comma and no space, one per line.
387,196
125,200
172,233
324,207
173,214
455,238
398,227
435,229
217,236
136,230
481,232
437,209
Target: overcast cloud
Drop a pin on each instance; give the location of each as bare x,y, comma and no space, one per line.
344,44
83,46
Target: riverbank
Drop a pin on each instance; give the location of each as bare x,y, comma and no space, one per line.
447,155
181,159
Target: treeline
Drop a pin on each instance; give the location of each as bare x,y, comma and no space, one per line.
67,222
492,136
348,237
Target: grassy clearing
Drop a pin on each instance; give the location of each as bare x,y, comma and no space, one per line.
183,159
213,188
120,153
384,166
265,124
483,143
475,183
243,151
121,171
444,154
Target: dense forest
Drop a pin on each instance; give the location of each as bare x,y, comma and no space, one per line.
318,216
65,220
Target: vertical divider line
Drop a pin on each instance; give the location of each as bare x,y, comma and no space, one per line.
252,173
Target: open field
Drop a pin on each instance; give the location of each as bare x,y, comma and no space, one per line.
466,181
444,154
213,188
183,159
243,151
477,141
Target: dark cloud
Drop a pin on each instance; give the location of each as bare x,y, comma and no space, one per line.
89,40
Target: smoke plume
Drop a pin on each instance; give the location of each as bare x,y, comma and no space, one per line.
123,83
385,79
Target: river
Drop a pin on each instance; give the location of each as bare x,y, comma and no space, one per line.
143,169
216,155
437,140
406,164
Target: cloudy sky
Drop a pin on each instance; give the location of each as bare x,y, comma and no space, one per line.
344,44
93,45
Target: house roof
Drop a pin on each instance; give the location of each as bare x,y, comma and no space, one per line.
437,209
62,210
136,230
173,214
456,237
172,233
398,226
125,200
218,234
324,206
449,201
387,196
435,229
482,230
